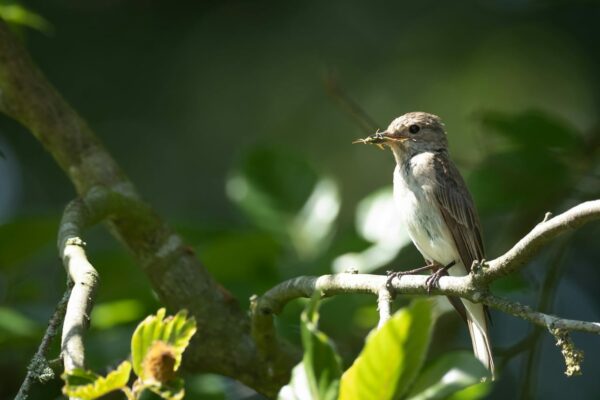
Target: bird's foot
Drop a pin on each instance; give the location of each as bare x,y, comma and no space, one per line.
397,274
433,280
390,277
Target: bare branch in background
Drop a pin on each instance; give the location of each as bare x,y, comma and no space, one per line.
224,345
349,105
39,367
228,343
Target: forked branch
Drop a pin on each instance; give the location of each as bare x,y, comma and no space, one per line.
473,287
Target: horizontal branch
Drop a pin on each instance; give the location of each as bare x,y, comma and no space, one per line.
273,301
473,287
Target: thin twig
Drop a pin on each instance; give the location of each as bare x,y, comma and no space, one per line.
347,103
473,287
539,236
384,305
39,367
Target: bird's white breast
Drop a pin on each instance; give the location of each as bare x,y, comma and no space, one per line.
413,194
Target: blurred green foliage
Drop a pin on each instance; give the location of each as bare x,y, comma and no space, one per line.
218,112
318,374
15,14
389,366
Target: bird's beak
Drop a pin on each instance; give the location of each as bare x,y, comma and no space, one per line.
380,138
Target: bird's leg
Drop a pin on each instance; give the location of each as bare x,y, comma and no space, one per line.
397,274
432,280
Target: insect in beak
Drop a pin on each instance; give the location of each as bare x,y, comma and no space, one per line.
379,138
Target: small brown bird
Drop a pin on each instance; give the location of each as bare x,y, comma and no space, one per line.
438,211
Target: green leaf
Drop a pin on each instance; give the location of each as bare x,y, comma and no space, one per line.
392,356
24,238
448,375
18,15
533,129
175,331
377,222
172,390
273,181
88,385
312,227
284,195
317,376
473,392
109,314
221,253
537,168
13,323
520,177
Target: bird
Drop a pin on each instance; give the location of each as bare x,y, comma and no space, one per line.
438,212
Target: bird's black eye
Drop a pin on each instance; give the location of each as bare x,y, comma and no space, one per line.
414,129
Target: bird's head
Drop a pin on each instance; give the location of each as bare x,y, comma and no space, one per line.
411,133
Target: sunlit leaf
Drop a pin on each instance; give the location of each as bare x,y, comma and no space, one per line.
109,314
18,15
377,218
272,183
299,386
377,221
313,225
284,195
392,356
13,323
88,385
473,392
175,331
448,375
317,376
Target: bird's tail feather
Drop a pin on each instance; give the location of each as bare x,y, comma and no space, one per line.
480,338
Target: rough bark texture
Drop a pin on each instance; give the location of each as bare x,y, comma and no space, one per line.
223,343
227,341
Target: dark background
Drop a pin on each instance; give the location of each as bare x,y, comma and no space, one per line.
220,113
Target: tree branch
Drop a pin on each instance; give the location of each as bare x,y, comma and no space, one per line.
273,301
473,287
531,243
39,368
82,278
384,305
224,345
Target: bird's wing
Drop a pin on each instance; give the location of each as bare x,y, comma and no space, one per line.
458,210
